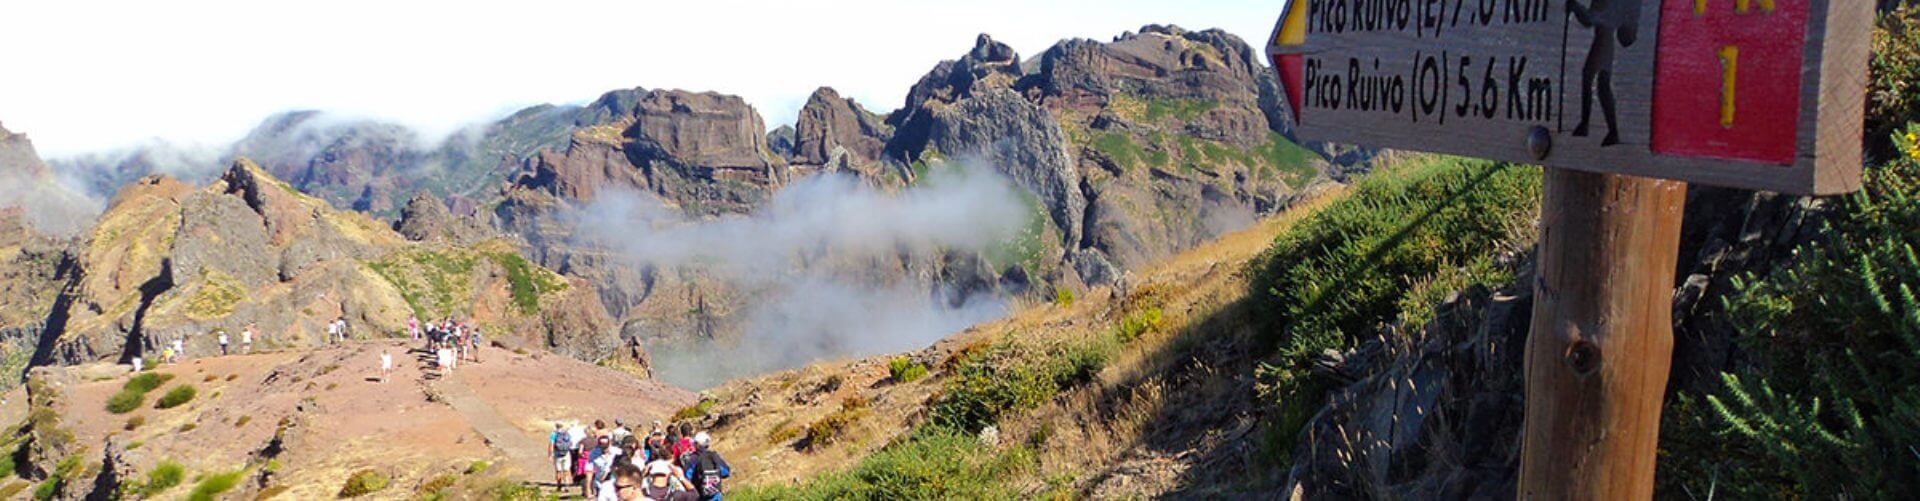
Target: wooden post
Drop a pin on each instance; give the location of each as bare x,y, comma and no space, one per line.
1602,342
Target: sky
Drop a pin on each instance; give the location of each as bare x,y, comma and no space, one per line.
82,76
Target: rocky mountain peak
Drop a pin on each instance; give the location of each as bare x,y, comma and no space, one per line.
830,123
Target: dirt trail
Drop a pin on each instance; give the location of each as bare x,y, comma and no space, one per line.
525,452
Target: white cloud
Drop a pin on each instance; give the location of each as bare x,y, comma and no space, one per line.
92,75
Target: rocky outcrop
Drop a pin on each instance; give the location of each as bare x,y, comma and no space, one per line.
427,219
1137,148
831,127
171,261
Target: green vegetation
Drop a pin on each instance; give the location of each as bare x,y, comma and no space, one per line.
435,284
478,467
1183,109
528,282
1827,403
904,370
1009,377
1119,147
134,423
176,397
438,487
134,392
242,422
1348,268
1894,96
216,298
212,486
1029,248
364,482
695,411
825,431
164,476
933,464
1062,296
46,490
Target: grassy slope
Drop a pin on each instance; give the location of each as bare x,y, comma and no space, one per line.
1151,384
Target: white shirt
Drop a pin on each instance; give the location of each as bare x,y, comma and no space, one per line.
223,338
386,361
246,336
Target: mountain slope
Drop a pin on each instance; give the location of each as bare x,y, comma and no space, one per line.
170,261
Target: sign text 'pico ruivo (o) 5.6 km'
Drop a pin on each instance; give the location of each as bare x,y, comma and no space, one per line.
1759,94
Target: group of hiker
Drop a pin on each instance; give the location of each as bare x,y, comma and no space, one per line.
669,463
450,342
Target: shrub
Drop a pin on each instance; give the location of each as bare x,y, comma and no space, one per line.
828,429
363,483
179,396
993,382
905,370
124,402
47,489
1828,401
437,485
134,423
1062,296
932,464
187,427
1136,324
784,432
164,476
478,467
146,382
695,411
242,422
1893,97
212,486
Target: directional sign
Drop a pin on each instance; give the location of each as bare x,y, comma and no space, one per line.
1760,94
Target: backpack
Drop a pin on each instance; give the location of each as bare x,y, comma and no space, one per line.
561,442
709,474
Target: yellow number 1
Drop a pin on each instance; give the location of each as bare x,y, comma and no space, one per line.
1729,69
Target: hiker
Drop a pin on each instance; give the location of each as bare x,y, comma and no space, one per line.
631,452
246,339
684,446
560,447
386,364
179,350
583,467
653,483
706,469
600,430
473,338
413,327
606,456
166,355
139,364
620,431
446,360
223,343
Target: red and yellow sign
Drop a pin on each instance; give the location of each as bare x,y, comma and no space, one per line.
1727,81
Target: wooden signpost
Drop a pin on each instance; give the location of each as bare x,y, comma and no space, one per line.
1625,101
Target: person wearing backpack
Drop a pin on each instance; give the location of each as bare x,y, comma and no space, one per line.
559,447
706,469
